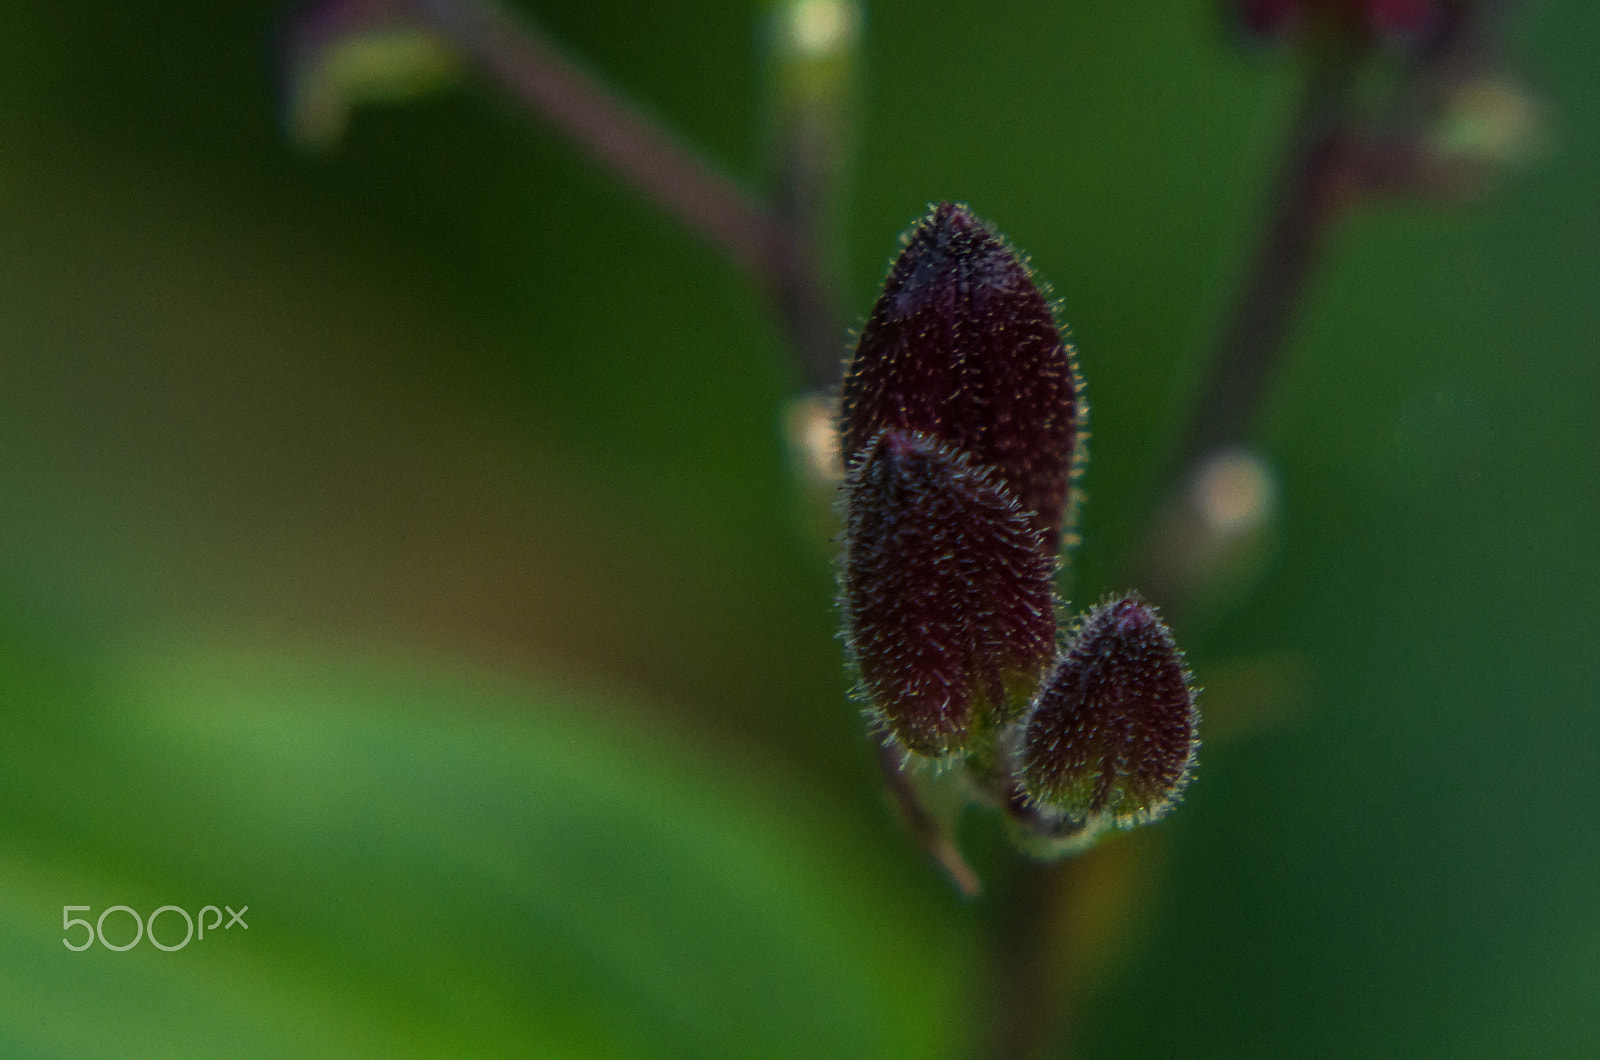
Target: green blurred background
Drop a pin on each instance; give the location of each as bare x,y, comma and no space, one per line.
402,541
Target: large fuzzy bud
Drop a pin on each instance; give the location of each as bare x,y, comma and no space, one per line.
963,346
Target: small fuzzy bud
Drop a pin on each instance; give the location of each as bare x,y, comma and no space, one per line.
1111,737
963,346
947,591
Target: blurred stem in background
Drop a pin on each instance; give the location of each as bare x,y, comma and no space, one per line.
782,243
1346,148
1344,152
1396,101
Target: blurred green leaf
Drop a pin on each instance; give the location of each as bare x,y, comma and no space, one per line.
438,865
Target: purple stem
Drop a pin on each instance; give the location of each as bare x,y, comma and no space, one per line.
1305,205
522,60
1033,981
928,831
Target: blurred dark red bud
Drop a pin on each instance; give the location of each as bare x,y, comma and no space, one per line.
1268,16
947,591
1111,738
1402,18
963,346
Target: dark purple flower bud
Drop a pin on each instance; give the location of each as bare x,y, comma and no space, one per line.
1405,19
947,591
1268,16
1111,739
963,346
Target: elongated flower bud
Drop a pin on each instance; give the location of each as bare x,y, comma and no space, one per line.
1111,738
947,591
962,346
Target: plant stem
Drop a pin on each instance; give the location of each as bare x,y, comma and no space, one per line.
929,832
1304,206
1031,1004
522,60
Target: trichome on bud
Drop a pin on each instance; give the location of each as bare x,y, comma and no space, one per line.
947,591
962,345
1111,736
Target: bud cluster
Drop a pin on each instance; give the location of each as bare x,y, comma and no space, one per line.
960,425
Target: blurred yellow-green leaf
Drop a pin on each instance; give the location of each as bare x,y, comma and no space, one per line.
437,864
